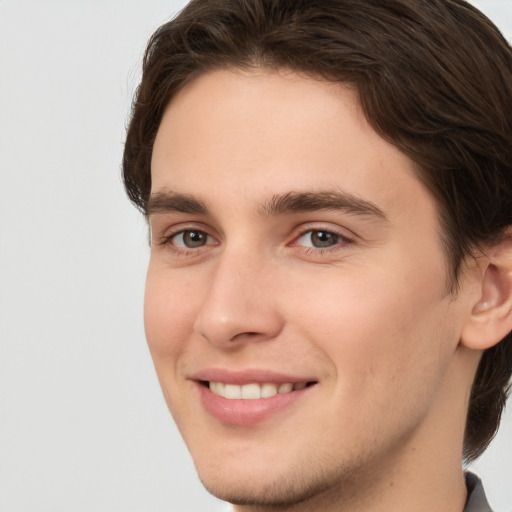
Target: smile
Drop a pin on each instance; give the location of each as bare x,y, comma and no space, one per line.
253,391
246,402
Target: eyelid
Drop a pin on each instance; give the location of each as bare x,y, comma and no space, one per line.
174,234
167,229
181,233
165,239
345,234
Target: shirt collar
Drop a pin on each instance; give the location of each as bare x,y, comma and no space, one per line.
476,500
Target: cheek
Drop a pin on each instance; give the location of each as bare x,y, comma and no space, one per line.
385,334
168,315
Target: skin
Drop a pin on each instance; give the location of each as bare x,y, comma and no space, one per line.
370,317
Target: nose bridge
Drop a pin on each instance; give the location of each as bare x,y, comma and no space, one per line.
238,304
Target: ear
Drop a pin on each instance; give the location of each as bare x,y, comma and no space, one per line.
491,315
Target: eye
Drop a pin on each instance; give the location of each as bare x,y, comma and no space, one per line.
320,239
190,239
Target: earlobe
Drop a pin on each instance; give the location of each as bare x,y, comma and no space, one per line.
491,315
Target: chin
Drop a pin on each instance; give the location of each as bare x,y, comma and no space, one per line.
275,494
274,486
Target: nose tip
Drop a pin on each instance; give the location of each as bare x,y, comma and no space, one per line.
240,326
238,310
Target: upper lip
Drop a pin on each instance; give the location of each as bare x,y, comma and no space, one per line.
249,376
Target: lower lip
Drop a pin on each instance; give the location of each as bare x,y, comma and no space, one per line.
247,412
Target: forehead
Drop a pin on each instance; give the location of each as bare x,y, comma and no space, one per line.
255,133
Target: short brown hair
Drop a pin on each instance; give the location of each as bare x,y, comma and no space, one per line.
434,78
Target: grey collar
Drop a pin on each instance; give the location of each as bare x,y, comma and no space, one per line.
476,501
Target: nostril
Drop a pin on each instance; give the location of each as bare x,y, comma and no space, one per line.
245,335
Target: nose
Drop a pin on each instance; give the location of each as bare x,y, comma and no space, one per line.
241,302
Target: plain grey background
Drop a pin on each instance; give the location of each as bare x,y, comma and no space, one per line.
83,426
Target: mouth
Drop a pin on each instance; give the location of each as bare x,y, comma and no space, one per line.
254,390
251,398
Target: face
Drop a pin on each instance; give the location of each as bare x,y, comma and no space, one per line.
296,306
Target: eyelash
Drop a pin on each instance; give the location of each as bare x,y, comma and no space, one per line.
166,241
341,244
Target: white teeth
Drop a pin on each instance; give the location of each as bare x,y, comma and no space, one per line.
253,391
232,391
217,388
268,390
285,388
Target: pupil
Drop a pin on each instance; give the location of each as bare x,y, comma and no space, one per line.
324,239
194,238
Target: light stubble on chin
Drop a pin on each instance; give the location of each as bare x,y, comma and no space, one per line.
323,480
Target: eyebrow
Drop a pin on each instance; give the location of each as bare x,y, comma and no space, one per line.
167,202
336,200
279,204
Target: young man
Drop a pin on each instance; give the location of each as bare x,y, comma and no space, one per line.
329,296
